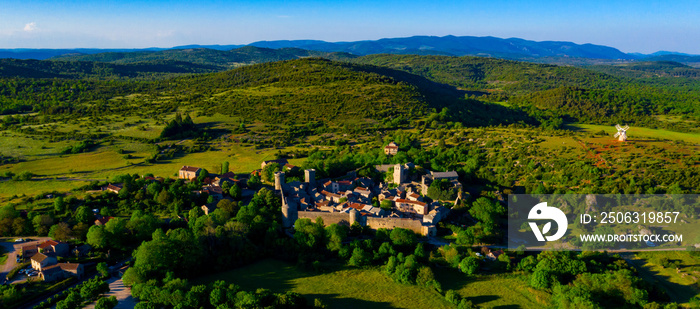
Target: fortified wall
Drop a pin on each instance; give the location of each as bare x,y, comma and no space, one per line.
290,213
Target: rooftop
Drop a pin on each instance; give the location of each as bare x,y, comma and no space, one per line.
449,174
189,169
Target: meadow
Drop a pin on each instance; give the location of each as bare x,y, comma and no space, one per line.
680,283
369,288
635,132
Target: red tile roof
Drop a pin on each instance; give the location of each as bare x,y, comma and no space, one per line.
48,243
102,221
228,175
189,168
410,202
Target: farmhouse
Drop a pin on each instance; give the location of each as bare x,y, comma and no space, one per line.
41,260
189,172
391,149
55,247
281,162
62,271
114,188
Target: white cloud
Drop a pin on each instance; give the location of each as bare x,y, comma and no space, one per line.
30,27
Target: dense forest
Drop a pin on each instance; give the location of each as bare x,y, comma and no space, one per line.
477,91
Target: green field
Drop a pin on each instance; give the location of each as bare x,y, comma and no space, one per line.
681,284
370,288
497,291
32,188
346,288
635,132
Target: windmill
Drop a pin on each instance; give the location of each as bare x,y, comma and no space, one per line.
621,133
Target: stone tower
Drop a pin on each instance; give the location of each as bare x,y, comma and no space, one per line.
399,174
279,181
289,213
353,216
310,177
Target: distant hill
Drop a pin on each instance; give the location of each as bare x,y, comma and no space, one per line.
460,46
41,54
648,69
512,48
224,59
100,70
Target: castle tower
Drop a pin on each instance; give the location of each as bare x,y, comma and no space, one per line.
289,213
279,181
353,216
399,175
310,177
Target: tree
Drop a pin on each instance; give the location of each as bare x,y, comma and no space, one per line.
142,224
229,207
106,303
487,212
542,279
359,257
204,173
97,237
425,276
224,167
235,192
403,237
60,231
116,232
254,182
268,172
92,288
154,188
103,269
163,197
308,234
59,206
84,214
42,223
469,265
336,234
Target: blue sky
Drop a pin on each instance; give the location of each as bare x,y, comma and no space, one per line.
631,26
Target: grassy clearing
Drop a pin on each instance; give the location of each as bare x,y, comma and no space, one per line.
497,291
681,284
23,146
31,188
635,132
346,288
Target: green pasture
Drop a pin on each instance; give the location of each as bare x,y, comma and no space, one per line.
370,288
493,291
344,288
636,132
34,187
681,284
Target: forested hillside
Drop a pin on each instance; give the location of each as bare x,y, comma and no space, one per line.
601,98
100,70
477,91
222,59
